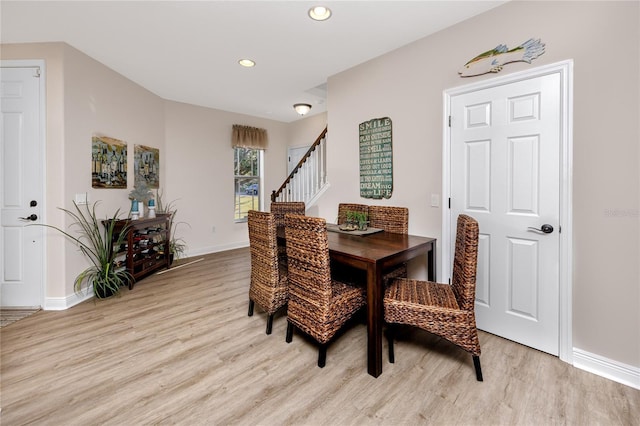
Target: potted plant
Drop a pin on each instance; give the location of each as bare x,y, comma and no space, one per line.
357,220
96,241
177,246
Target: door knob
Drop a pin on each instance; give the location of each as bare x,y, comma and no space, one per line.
30,217
546,228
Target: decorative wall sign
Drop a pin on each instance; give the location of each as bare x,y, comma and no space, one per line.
108,162
494,59
147,165
376,158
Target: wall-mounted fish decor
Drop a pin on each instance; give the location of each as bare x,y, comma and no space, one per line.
494,59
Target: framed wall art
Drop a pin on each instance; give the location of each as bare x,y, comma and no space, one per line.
376,158
147,165
108,162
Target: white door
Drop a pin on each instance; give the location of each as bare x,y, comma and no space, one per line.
505,172
294,155
21,183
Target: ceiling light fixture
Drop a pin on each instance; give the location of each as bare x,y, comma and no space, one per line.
319,13
302,109
247,63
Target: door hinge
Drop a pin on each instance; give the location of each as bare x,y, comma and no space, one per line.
449,202
449,121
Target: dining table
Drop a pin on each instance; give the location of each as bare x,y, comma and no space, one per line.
376,253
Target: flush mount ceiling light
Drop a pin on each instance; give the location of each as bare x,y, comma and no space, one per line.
302,109
247,63
319,13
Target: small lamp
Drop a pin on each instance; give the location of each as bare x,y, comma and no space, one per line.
302,109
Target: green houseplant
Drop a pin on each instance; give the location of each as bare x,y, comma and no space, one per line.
357,219
177,246
96,241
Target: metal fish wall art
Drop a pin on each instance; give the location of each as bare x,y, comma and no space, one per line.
493,60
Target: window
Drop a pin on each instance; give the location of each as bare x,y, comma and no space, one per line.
247,166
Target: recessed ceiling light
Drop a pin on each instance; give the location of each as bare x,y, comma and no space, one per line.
319,13
247,63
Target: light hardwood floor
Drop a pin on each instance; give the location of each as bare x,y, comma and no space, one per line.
180,349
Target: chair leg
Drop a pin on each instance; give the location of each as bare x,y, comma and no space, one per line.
289,332
390,337
322,355
269,323
476,364
250,308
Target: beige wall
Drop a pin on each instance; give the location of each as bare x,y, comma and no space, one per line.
407,85
199,175
84,97
99,101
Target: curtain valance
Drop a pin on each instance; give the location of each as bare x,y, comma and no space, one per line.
249,137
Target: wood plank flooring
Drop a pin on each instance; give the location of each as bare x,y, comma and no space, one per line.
180,349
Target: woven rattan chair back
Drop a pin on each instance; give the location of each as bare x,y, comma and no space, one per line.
280,208
465,262
309,274
442,309
268,287
318,305
343,208
389,218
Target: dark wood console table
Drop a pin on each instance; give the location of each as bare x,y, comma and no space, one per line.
146,246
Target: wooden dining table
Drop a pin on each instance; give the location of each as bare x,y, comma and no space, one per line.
376,253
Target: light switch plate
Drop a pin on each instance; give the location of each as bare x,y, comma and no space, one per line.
435,200
82,198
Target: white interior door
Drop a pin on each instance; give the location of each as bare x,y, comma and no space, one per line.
294,155
505,172
21,181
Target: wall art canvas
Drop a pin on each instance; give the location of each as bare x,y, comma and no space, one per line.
493,60
147,165
376,158
108,162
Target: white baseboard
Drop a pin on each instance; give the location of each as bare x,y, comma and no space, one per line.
610,369
216,249
62,303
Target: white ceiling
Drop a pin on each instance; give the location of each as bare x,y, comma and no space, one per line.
188,51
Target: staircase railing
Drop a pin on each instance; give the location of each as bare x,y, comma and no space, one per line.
308,179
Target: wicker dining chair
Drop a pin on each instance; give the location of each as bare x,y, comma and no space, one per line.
343,208
442,309
269,283
318,305
279,209
391,219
